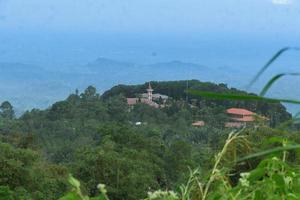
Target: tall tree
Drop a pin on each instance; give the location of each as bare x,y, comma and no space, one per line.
6,110
89,93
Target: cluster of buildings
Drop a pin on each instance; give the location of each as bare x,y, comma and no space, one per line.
238,117
149,98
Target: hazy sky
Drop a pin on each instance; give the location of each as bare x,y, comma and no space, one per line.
242,34
153,16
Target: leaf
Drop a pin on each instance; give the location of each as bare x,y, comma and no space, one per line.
279,180
222,96
275,57
273,140
74,182
273,80
269,151
256,174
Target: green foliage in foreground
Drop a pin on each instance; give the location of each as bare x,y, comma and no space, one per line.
76,194
273,178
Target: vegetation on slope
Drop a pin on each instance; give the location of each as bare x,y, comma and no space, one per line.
95,138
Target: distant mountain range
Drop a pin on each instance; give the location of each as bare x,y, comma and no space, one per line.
30,86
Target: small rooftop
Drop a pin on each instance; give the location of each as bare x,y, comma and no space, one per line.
132,101
239,111
198,123
244,119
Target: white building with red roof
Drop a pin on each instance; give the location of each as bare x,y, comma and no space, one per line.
240,117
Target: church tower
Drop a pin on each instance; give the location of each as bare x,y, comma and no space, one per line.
150,92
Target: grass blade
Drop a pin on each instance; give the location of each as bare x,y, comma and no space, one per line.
275,57
222,96
273,80
269,151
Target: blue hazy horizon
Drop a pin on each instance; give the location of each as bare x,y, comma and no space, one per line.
233,38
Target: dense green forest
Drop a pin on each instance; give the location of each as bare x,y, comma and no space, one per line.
96,139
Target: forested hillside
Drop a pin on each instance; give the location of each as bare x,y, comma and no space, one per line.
176,89
97,139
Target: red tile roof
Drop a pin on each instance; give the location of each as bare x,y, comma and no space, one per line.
239,111
244,119
132,101
199,123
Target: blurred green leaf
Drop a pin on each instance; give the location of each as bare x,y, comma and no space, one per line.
270,151
222,96
74,182
279,180
275,57
273,80
256,174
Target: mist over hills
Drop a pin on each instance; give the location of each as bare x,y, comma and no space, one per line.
30,86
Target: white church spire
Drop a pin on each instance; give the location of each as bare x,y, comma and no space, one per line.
150,92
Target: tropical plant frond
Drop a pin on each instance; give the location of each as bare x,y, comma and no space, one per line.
270,62
273,80
222,96
270,151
